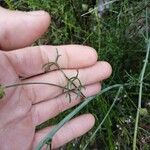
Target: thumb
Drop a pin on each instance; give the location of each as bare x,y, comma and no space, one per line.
19,29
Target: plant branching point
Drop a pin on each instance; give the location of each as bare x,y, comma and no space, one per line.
71,85
47,66
70,81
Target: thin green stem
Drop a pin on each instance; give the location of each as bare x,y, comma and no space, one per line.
140,95
100,125
141,83
50,135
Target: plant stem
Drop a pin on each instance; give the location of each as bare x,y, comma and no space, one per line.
43,83
140,95
31,83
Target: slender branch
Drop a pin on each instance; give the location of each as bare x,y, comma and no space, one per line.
69,79
31,83
140,95
141,83
47,68
43,83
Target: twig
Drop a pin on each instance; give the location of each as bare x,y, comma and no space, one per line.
65,89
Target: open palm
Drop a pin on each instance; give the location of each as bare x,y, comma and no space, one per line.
25,107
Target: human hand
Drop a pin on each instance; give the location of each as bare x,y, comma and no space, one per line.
25,107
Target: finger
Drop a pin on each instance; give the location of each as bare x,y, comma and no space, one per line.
59,104
29,61
71,130
20,29
90,75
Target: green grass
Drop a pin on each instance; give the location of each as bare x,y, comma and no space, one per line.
121,38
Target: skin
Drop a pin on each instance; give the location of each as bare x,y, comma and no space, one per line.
25,107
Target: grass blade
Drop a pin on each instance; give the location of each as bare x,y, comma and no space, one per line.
50,135
100,125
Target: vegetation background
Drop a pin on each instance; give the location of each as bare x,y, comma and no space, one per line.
120,37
